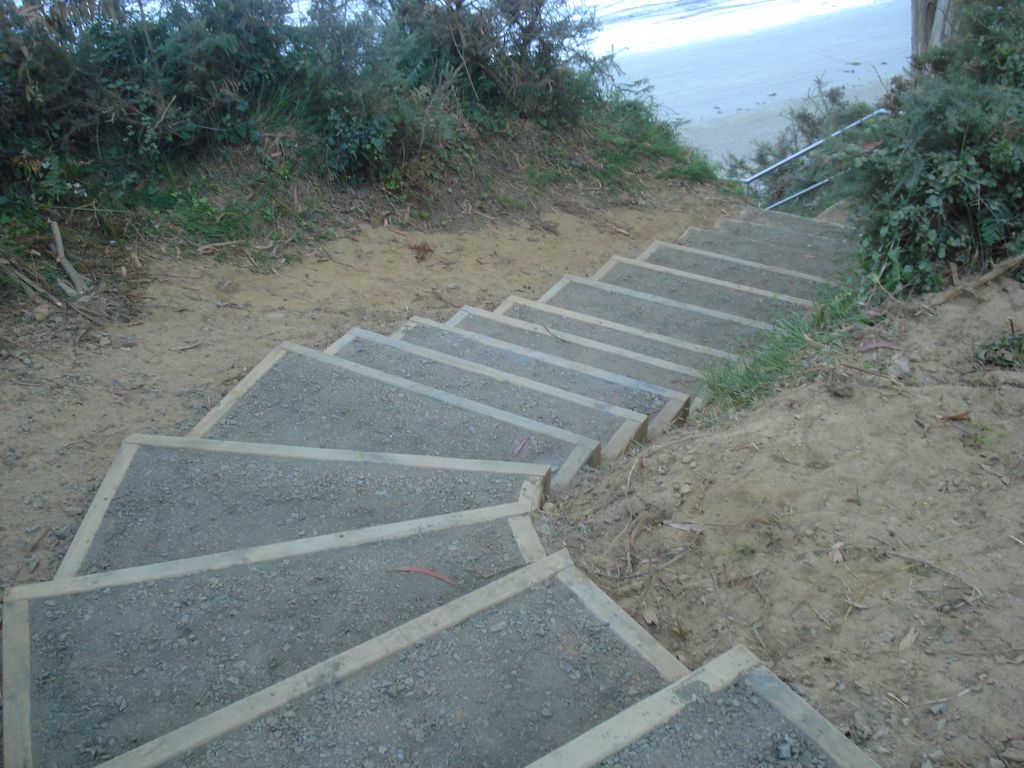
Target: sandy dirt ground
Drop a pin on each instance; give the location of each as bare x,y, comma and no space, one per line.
70,393
864,534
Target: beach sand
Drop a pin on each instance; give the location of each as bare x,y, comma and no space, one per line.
732,91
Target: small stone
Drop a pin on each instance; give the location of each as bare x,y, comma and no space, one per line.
1013,755
939,709
927,764
548,507
40,313
545,712
995,762
784,750
863,687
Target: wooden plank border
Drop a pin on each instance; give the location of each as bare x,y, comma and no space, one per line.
623,625
658,268
711,255
818,730
217,412
264,553
652,298
338,668
86,533
634,424
536,477
611,325
618,732
17,685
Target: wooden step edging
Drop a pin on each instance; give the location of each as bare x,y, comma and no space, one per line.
674,409
344,665
536,477
17,684
658,245
586,451
658,268
634,425
619,732
650,297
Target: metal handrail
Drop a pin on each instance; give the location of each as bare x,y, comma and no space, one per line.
813,146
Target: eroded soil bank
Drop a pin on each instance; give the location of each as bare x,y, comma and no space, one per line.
863,534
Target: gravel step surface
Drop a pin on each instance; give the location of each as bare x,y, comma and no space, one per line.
451,342
677,257
734,727
822,261
590,421
302,401
653,316
114,668
786,236
797,223
498,691
175,503
703,294
545,338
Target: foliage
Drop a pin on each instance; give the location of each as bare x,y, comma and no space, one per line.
943,191
96,97
1005,352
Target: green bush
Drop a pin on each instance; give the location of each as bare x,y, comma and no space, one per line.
943,191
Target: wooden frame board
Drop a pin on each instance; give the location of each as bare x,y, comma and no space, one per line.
674,409
16,629
536,477
634,426
657,268
586,450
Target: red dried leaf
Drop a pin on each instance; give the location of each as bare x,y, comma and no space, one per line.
425,572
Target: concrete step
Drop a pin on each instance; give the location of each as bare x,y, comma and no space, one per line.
721,267
730,712
654,314
691,288
824,261
788,237
169,498
95,666
613,426
798,223
495,678
588,341
662,406
297,396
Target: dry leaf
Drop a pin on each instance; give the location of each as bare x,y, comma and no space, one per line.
835,553
965,416
909,640
650,615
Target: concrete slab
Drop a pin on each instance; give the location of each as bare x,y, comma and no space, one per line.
822,261
297,396
731,711
107,662
493,684
615,427
654,314
720,267
168,498
691,288
661,405
585,340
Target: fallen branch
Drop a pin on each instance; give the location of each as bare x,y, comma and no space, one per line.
969,285
80,283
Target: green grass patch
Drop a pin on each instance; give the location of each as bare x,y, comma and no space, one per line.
800,344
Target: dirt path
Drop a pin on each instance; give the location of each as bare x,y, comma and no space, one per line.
68,394
864,535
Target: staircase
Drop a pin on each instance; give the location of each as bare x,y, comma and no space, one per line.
337,566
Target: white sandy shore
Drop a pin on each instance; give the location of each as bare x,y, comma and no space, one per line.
736,90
